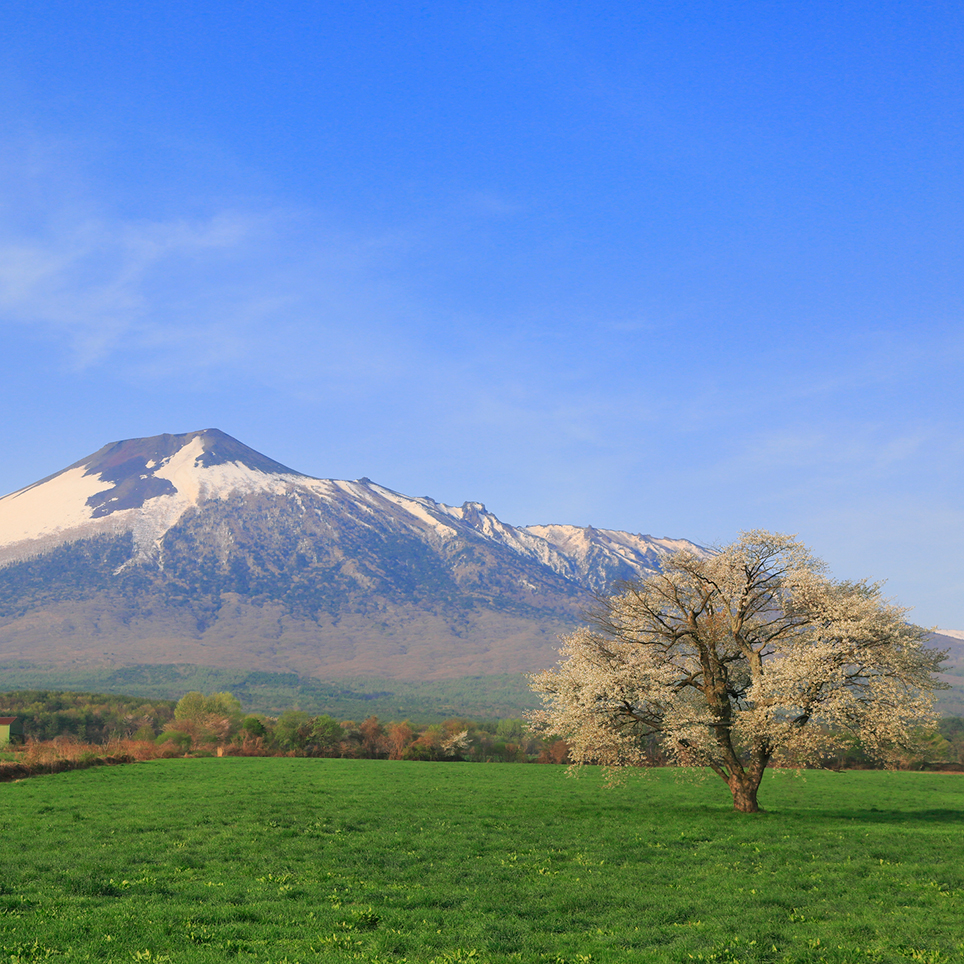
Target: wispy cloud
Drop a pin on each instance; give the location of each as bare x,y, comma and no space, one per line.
277,293
95,283
239,287
853,447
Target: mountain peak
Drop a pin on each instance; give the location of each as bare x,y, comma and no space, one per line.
212,446
143,485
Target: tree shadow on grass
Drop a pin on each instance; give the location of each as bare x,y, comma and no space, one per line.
875,815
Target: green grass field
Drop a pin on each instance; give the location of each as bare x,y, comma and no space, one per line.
275,860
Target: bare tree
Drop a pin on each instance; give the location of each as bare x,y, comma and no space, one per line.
735,658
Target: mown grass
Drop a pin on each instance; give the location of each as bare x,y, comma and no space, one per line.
274,860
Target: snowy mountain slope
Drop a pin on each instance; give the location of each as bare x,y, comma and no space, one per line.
142,486
183,544
146,486
600,557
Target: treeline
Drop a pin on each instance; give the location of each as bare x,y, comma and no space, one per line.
87,717
216,723
206,722
199,723
939,749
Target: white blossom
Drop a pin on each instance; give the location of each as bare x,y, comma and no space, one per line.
736,660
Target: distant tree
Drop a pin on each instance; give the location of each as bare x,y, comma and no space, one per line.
952,729
224,704
733,658
293,729
555,751
373,738
510,731
398,736
428,745
254,726
91,717
208,719
179,738
326,735
352,740
190,706
508,752
455,746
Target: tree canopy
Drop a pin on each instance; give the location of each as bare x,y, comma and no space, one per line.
736,659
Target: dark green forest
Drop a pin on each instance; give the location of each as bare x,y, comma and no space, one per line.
427,701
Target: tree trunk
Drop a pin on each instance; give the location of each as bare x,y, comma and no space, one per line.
743,781
744,789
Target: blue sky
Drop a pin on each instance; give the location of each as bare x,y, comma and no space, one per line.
677,268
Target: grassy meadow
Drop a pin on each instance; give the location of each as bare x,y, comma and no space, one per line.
298,860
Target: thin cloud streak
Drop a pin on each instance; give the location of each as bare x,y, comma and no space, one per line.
92,282
217,293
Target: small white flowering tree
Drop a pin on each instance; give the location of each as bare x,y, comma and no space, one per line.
731,659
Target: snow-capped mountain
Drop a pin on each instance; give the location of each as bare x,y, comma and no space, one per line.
225,554
146,486
142,486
